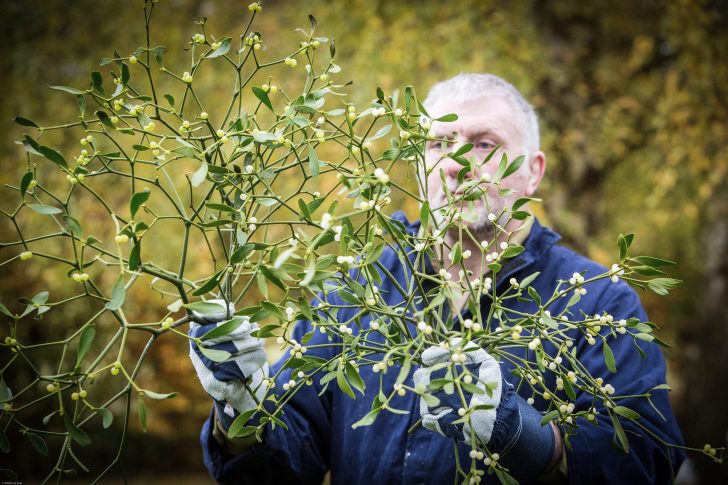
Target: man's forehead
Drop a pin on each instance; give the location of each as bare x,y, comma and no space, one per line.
482,116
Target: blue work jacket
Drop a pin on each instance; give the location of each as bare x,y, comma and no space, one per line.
320,436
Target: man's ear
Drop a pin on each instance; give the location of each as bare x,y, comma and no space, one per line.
536,169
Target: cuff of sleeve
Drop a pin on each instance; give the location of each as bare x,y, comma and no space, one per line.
218,460
526,447
231,446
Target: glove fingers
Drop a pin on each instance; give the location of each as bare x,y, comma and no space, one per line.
435,355
421,377
250,362
225,312
476,356
431,421
238,367
241,332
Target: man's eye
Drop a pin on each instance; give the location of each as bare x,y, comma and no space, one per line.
484,145
443,145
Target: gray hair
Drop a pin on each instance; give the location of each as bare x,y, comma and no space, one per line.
468,87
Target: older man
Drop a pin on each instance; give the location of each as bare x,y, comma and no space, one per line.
492,115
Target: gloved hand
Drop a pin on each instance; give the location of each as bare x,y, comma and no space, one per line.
508,426
226,381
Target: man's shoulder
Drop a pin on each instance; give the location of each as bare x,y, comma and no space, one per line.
547,250
559,262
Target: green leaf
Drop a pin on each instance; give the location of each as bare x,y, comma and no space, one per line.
343,384
73,225
76,434
512,252
550,416
25,183
241,253
220,207
44,209
107,417
534,295
619,433
271,276
472,388
661,286
645,336
5,310
569,389
25,122
216,223
199,176
313,161
504,477
209,285
84,342
38,443
447,118
375,253
653,262
158,51
529,279
135,257
522,201
462,151
263,97
142,414
380,132
501,169
609,358
137,200
52,155
215,355
118,293
513,166
5,393
240,425
352,373
204,307
68,90
425,216
457,253
622,243
627,412
98,82
224,328
368,418
158,396
430,400
104,118
222,50
81,101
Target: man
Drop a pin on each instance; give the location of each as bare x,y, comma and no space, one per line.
492,115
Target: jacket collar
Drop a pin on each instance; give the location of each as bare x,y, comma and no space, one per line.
539,241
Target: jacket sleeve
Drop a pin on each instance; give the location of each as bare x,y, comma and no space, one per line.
593,456
298,454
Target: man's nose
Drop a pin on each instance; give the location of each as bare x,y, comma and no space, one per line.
452,167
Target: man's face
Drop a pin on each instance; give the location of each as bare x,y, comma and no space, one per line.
486,122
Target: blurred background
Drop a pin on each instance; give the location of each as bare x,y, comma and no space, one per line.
633,104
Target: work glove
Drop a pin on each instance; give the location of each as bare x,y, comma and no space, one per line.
503,422
246,368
